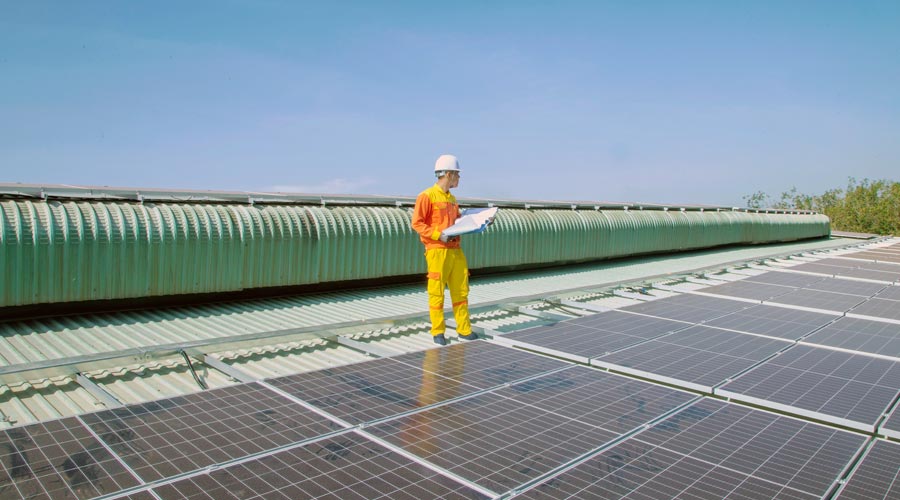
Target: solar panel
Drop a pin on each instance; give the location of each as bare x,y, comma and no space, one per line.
852,269
376,389
820,268
771,321
688,307
482,364
891,293
877,256
713,449
58,459
344,466
851,287
891,426
879,308
797,280
824,301
853,390
749,290
862,335
505,438
163,438
876,476
697,358
583,338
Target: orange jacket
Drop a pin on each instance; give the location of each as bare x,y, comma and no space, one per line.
435,211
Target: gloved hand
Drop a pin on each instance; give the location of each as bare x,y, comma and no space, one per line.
489,222
444,238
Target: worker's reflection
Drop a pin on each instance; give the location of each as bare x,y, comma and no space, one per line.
442,370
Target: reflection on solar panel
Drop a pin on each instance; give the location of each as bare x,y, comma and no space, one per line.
891,293
687,307
714,449
376,389
482,364
583,338
771,321
877,475
860,335
58,459
749,290
344,466
852,287
879,308
825,301
507,437
697,358
163,438
847,389
785,279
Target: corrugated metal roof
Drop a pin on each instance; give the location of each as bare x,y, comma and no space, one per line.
28,342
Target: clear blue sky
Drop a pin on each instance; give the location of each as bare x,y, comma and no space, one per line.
669,102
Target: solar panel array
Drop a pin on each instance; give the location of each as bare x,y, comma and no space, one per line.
480,420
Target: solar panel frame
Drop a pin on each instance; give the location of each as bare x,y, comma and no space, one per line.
876,475
168,437
860,335
347,466
891,425
689,308
853,390
713,449
698,358
775,322
819,301
59,459
507,437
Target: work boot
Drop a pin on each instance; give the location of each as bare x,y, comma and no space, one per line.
471,336
440,339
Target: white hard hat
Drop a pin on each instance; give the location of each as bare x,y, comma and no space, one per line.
446,163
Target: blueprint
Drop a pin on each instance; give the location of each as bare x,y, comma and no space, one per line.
472,220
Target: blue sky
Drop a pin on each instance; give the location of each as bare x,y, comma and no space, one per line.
667,102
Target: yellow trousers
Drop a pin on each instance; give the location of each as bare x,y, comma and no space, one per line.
447,268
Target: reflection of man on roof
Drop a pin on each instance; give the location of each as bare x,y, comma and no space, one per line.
436,210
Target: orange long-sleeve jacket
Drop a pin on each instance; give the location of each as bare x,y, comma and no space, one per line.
435,211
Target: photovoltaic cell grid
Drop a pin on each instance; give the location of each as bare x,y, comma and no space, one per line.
714,449
796,280
502,439
375,389
347,466
853,390
164,438
482,364
749,290
877,476
697,358
849,272
861,335
891,426
687,307
815,299
859,264
851,287
890,293
771,321
876,256
595,335
879,308
58,459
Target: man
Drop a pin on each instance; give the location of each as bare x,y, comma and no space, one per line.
436,210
